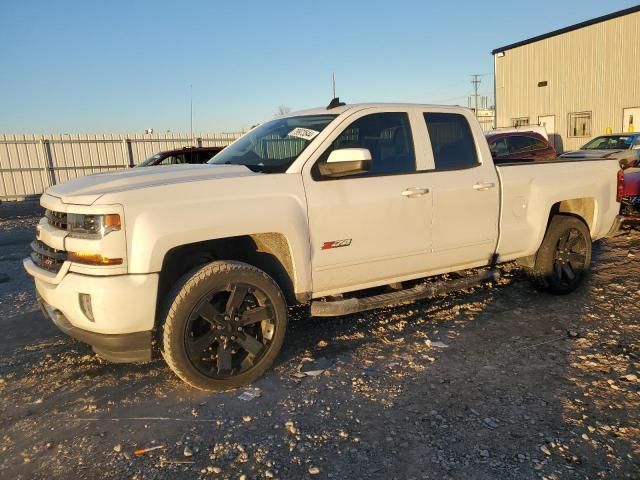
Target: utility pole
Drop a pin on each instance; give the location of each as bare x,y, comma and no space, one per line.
191,108
476,82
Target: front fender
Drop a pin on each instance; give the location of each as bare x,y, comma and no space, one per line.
162,218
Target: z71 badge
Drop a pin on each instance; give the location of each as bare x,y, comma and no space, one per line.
336,244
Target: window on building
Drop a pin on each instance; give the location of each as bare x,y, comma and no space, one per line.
520,121
451,141
580,124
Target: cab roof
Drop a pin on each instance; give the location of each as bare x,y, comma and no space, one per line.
361,106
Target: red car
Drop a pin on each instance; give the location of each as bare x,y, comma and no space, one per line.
629,195
520,147
180,156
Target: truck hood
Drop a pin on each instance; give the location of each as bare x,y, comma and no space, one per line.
87,190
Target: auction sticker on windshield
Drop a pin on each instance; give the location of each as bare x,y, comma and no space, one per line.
303,133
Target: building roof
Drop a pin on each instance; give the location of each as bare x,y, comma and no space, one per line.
570,28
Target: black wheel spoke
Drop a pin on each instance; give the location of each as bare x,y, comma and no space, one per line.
210,314
197,346
250,344
557,268
223,360
566,268
562,244
237,296
256,315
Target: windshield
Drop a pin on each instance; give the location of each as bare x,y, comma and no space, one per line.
150,160
610,142
273,146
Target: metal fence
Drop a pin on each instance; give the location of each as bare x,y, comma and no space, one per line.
29,164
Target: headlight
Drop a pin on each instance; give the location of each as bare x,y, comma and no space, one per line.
92,226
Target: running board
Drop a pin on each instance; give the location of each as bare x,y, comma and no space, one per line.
420,292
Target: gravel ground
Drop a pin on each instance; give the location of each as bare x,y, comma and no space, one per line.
499,382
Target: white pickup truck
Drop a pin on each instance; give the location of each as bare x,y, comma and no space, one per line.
316,207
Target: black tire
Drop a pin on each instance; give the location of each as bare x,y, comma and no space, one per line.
225,325
564,257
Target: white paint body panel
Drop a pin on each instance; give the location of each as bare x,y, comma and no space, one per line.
529,191
456,222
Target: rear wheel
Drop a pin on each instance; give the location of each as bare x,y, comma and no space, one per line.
564,257
225,326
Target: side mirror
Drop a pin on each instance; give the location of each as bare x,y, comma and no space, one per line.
346,161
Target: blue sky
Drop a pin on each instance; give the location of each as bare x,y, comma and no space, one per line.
123,66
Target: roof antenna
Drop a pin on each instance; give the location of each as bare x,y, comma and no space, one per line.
333,78
336,100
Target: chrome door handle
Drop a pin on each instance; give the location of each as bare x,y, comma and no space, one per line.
413,192
483,186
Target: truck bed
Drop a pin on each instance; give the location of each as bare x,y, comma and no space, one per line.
530,191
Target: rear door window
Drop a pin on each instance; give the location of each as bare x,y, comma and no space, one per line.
451,141
499,147
523,144
202,157
174,160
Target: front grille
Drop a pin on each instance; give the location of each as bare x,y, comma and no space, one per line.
57,219
46,257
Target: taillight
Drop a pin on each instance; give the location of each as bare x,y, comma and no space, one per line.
620,190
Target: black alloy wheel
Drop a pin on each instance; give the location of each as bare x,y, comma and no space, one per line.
229,330
570,257
564,257
224,326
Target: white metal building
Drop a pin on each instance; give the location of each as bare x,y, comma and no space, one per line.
579,82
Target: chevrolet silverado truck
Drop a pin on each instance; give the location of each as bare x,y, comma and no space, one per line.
346,208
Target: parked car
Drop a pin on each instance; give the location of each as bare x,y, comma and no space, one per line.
520,146
629,196
185,155
623,146
539,129
313,208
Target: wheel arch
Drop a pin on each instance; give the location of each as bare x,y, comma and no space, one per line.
270,252
583,208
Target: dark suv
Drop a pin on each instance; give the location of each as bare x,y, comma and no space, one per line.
520,147
180,156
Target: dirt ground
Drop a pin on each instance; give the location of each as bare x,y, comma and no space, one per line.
498,383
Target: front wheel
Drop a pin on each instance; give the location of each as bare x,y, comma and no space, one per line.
564,257
225,326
